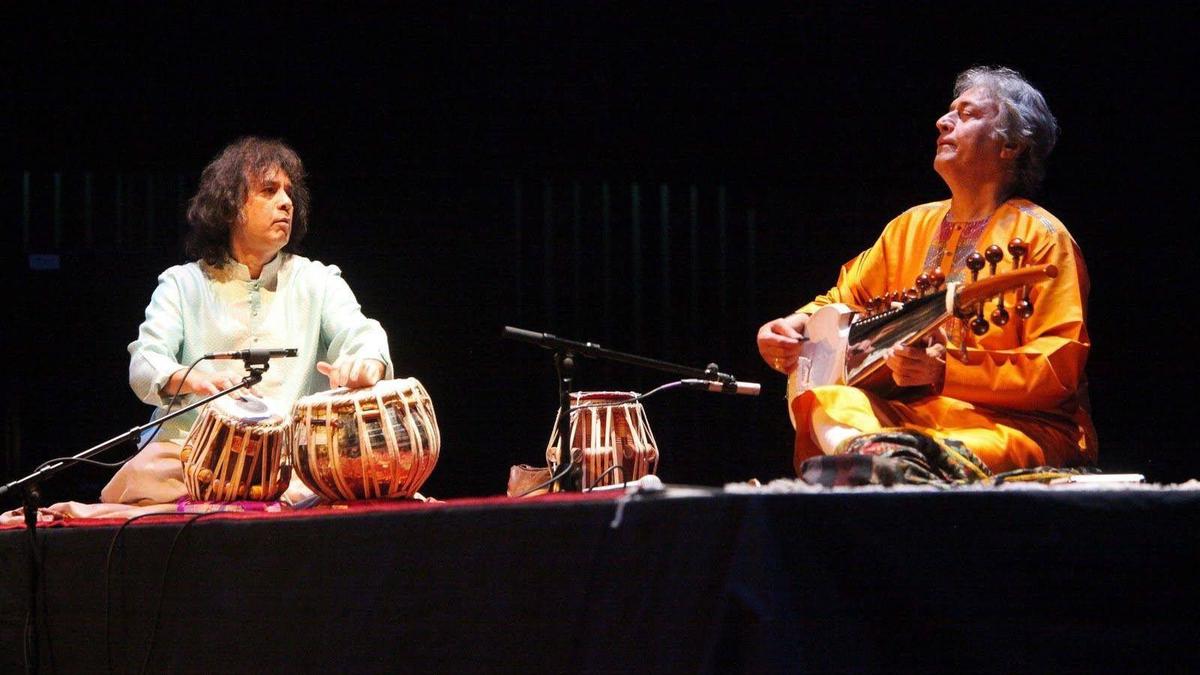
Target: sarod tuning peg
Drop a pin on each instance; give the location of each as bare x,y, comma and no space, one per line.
975,263
937,278
1024,308
1000,314
993,255
923,283
1019,250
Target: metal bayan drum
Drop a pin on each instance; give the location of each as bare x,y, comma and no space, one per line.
377,442
610,438
237,450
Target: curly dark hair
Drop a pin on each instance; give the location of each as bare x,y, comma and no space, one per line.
224,184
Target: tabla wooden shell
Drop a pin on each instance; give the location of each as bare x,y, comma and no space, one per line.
608,429
397,419
237,450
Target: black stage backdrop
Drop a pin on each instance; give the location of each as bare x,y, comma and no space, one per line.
658,181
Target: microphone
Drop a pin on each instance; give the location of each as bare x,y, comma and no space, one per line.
731,387
255,355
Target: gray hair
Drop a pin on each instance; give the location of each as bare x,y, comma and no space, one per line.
1025,119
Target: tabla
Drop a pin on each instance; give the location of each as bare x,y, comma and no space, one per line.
377,442
237,449
610,437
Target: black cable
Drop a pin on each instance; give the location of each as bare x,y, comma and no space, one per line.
31,613
162,588
551,481
43,614
37,607
108,579
614,467
82,460
26,638
149,433
30,620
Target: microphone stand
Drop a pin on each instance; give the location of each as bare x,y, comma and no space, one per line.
572,476
565,352
30,495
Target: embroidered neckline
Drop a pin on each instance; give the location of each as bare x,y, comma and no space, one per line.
967,223
964,235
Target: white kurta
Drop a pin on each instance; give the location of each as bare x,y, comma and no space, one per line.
295,302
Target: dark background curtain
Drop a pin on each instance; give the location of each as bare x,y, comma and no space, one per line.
661,181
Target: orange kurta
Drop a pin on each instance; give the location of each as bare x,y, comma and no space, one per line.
1016,399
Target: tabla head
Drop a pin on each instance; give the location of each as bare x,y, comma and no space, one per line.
250,408
587,398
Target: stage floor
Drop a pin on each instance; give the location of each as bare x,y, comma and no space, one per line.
1028,579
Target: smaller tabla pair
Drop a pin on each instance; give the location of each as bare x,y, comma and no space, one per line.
344,444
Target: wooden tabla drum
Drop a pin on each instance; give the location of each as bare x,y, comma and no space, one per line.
236,450
610,437
377,442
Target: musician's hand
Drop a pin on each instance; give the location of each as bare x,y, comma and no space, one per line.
200,382
919,364
352,372
779,341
